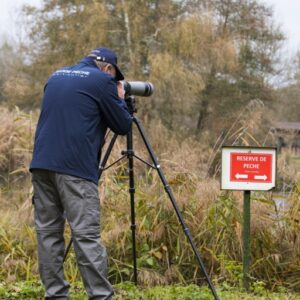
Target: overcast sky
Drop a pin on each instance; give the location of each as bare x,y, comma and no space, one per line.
287,14
10,17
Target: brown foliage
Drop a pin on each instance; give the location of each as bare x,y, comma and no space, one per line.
16,136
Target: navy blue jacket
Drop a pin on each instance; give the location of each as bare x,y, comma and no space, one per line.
79,104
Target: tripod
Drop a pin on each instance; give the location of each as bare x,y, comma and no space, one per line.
130,155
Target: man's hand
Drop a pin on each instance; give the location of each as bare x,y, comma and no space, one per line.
121,91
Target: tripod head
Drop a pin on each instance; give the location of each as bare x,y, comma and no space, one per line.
130,101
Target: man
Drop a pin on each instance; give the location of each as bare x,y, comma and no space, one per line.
79,104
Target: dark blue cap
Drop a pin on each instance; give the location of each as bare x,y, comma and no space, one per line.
109,56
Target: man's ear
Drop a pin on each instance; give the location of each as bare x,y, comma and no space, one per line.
106,68
109,67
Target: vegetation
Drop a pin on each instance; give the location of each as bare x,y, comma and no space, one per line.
127,291
207,59
164,256
211,63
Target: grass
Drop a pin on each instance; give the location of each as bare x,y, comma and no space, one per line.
128,291
296,162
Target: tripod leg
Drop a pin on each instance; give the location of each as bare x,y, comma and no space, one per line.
101,168
130,155
172,198
106,155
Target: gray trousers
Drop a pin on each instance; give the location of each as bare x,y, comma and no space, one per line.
58,197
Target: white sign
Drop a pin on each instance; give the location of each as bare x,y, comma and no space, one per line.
248,169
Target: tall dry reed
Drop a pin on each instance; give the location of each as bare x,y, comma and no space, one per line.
164,255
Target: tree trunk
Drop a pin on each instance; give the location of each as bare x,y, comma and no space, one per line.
202,114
